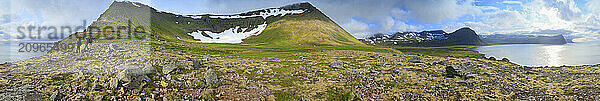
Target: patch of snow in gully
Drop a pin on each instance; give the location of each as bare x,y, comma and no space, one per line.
264,14
135,4
228,36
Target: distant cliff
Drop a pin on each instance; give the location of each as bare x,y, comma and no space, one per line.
463,36
524,39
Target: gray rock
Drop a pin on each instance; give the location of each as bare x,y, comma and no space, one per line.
470,81
415,60
97,87
304,99
56,96
460,69
375,56
113,83
337,65
169,68
23,93
211,78
133,76
471,76
491,98
197,64
81,97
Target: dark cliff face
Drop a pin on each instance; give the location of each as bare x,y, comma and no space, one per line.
465,36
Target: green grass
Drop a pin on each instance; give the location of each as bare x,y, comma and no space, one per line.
337,95
285,96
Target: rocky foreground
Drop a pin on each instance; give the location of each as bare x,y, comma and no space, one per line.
140,70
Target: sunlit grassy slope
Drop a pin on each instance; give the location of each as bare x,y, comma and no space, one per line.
310,28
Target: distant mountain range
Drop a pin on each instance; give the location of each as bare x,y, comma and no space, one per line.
524,39
463,36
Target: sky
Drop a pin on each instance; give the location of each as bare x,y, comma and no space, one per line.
578,19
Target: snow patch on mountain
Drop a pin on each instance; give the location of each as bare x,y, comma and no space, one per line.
267,13
232,35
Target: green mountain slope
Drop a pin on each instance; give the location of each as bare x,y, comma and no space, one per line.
310,28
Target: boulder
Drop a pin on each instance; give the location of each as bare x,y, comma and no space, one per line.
23,93
337,65
460,69
211,78
169,68
133,76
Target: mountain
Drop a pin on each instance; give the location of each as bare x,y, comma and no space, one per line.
312,27
524,39
463,36
296,24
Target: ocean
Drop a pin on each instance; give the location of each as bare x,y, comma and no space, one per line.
12,51
571,54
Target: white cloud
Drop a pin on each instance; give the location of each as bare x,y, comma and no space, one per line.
388,23
593,6
54,13
484,8
360,29
512,2
436,11
403,27
549,17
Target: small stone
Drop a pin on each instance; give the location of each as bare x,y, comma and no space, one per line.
81,97
56,96
97,87
211,78
337,65
169,68
304,99
113,83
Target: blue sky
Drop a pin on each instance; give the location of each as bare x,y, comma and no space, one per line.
574,18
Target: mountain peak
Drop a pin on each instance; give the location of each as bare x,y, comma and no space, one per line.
465,29
244,28
466,36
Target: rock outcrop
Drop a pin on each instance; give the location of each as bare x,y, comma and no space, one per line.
462,70
23,93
